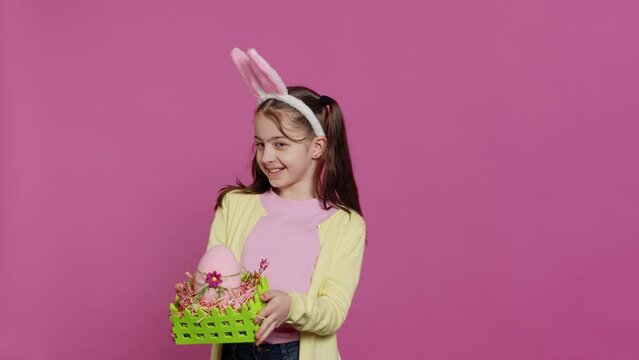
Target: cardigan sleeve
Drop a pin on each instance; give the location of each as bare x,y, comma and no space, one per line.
217,235
325,313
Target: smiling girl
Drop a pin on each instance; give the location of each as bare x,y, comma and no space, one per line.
301,212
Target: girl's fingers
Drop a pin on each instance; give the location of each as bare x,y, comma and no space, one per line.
267,295
263,325
258,319
262,314
271,326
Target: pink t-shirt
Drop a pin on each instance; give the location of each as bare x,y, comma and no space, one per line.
287,236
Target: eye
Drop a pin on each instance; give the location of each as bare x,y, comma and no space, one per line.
258,145
280,143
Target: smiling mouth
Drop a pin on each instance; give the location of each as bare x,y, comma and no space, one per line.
275,171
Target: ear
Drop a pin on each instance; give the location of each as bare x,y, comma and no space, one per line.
269,79
243,64
319,146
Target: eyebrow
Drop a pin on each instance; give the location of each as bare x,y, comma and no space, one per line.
273,138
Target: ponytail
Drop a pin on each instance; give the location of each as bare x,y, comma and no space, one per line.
335,180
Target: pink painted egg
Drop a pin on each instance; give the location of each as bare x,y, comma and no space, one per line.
220,262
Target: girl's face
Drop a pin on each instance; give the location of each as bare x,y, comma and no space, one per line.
289,165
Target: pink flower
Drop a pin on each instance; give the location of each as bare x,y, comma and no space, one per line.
214,279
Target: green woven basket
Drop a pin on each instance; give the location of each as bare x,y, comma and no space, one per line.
230,326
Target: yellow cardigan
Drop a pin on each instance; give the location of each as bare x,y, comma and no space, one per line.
320,312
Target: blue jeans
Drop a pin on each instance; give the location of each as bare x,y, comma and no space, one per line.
266,351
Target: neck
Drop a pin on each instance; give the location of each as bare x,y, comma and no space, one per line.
293,194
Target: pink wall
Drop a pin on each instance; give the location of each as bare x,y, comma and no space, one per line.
495,146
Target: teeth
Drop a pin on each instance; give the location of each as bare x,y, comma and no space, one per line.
272,171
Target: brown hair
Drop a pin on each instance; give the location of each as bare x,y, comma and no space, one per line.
334,182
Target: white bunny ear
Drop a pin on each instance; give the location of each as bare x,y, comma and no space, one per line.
267,84
243,64
270,81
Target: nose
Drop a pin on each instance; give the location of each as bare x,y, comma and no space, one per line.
268,154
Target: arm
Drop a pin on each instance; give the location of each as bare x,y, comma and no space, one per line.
217,236
325,314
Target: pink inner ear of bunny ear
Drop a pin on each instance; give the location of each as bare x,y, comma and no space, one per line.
242,62
269,79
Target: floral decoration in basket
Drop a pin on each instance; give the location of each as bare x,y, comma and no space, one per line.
212,307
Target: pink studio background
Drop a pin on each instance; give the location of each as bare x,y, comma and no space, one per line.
494,142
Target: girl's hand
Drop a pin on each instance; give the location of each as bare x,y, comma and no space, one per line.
273,315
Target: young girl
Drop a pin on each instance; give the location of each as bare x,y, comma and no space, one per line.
301,212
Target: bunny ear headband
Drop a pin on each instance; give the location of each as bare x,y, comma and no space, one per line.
264,81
